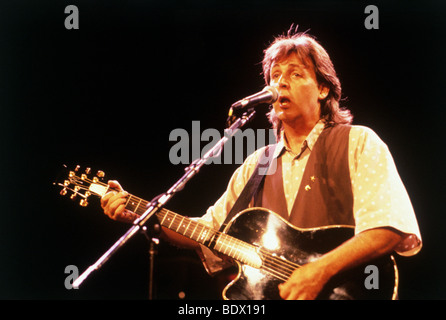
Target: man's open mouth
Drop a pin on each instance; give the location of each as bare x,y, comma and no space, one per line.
284,101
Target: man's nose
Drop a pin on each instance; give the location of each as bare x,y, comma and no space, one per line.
283,83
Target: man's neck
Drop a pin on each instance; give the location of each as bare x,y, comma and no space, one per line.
296,135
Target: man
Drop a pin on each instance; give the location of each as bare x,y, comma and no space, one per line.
328,172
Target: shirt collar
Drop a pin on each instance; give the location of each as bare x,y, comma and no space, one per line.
308,142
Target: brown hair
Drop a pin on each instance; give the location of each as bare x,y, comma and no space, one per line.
306,47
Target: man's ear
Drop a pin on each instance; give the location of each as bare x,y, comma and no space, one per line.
323,91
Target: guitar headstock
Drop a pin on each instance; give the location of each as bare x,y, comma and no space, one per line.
81,185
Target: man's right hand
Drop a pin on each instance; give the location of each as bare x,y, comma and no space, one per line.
113,204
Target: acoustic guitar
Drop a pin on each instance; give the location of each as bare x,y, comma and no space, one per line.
266,248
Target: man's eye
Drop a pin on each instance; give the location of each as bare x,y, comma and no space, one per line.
296,75
275,76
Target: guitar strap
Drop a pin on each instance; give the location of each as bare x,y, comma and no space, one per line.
252,185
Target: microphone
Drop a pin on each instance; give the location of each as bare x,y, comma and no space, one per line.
267,95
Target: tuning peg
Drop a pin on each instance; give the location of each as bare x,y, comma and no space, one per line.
63,191
88,170
77,168
100,174
84,201
76,190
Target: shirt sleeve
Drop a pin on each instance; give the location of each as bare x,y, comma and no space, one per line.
379,196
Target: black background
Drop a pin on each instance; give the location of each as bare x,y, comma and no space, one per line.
108,95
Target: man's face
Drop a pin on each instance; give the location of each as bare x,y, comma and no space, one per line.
299,91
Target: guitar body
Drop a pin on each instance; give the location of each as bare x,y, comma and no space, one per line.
273,235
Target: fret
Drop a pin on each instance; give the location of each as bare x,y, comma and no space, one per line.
193,231
229,245
202,235
231,248
142,207
171,221
179,226
206,237
212,238
237,249
164,216
240,250
137,206
176,222
200,229
128,204
223,245
219,243
186,228
131,204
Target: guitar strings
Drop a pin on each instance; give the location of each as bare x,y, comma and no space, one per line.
276,266
281,268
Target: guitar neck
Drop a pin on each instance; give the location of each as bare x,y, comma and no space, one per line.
213,239
175,222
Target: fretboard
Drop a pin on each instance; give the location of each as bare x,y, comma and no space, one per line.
213,239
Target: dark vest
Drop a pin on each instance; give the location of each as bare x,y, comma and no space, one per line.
325,194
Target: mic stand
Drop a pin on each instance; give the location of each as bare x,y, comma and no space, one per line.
153,250
159,201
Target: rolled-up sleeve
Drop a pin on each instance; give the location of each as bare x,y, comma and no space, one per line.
380,197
